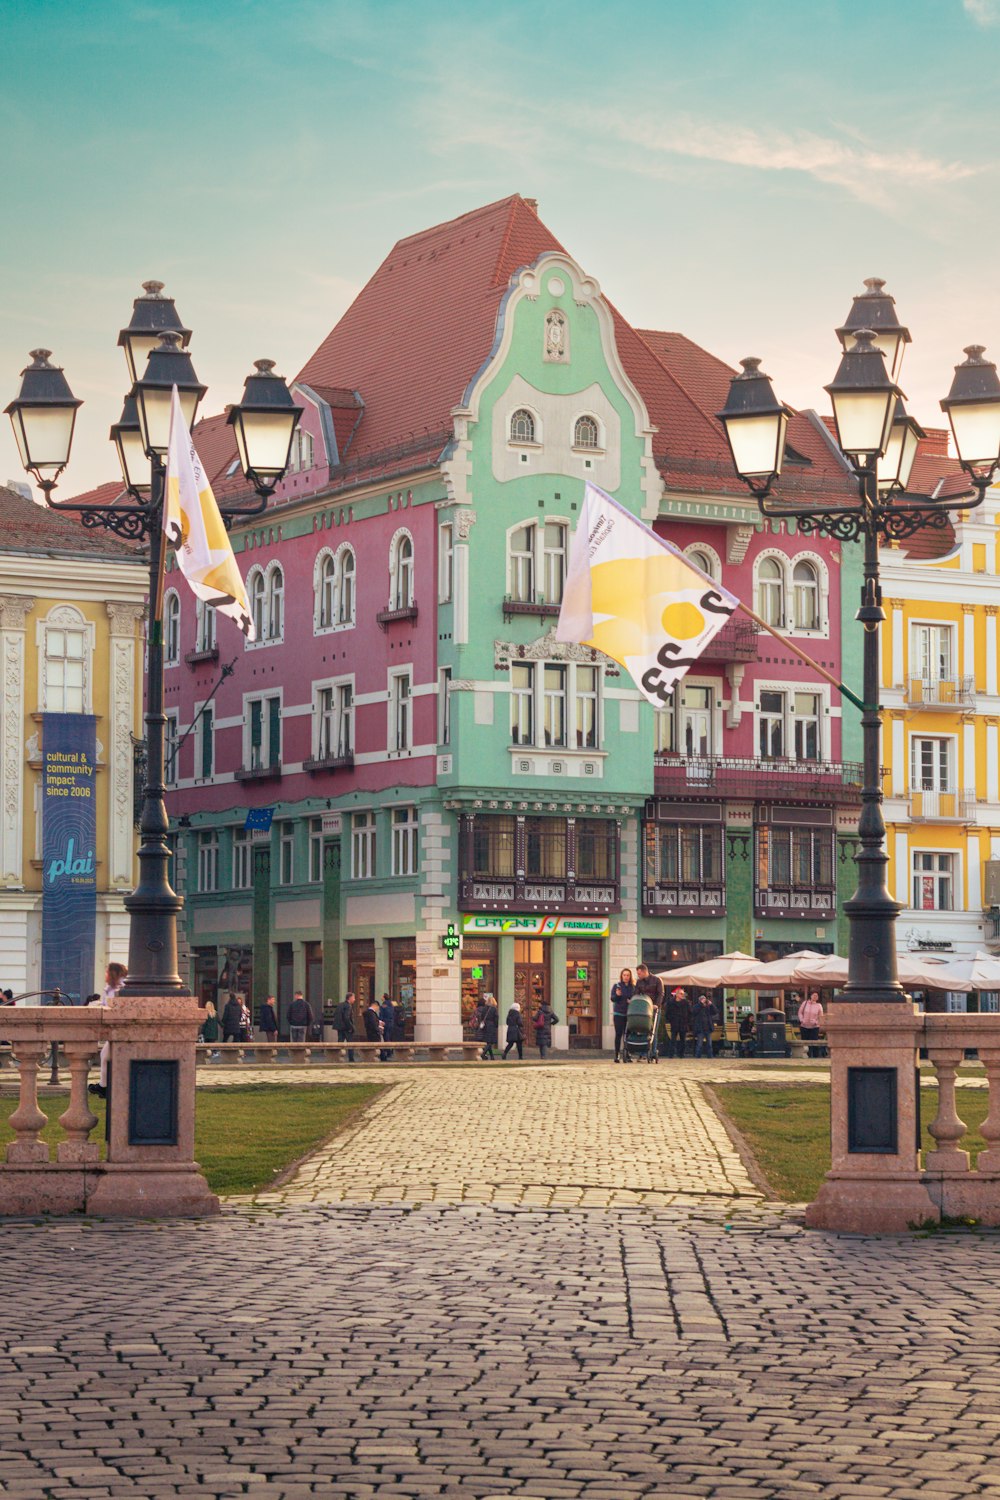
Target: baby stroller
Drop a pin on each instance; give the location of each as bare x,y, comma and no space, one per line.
640,1029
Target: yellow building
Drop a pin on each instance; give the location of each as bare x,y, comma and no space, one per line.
71,607
941,729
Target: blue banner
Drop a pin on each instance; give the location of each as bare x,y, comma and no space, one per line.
69,852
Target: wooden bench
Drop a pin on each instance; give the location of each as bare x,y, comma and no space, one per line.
309,1052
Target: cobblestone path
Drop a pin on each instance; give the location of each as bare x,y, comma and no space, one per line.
646,1326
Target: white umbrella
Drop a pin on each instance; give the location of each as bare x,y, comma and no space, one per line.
985,973
712,973
782,973
924,973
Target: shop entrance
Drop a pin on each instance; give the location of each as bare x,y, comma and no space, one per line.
314,979
285,983
479,978
361,978
531,979
403,981
583,992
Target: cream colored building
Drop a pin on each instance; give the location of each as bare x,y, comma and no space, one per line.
72,602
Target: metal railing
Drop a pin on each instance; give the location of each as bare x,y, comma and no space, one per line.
940,692
942,806
726,776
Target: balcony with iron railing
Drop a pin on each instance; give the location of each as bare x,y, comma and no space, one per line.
940,692
729,776
942,806
738,640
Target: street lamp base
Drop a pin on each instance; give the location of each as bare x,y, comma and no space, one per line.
152,947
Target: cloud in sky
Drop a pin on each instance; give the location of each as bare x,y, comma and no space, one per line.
983,12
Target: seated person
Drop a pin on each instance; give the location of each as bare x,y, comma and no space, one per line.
748,1035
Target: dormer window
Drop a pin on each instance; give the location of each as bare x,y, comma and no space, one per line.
522,427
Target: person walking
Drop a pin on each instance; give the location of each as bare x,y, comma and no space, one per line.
269,1020
343,1020
811,1020
515,1031
300,1018
246,1021
491,1027
373,1024
545,1019
210,1030
677,1009
387,1016
702,1026
232,1019
621,994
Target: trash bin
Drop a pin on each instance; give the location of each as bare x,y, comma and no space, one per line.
771,1034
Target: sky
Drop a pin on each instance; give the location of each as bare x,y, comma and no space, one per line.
732,169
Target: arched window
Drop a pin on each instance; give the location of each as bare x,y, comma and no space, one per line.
401,573
345,586
585,433
255,588
276,605
702,560
522,427
805,596
771,591
326,611
171,629
205,626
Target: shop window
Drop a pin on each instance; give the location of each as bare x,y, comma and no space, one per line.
403,981
479,978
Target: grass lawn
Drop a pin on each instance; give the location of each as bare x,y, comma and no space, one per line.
788,1130
245,1135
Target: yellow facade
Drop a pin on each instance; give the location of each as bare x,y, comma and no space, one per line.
57,597
941,712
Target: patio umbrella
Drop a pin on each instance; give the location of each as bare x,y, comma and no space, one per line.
924,973
727,971
782,973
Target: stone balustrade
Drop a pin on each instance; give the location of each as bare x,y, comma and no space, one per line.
148,1168
958,1189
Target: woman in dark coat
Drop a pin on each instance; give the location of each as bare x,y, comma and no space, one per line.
621,994
515,1031
545,1019
491,1028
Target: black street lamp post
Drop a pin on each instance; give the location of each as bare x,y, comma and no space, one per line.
43,417
879,443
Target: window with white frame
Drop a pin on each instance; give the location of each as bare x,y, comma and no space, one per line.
805,595
326,605
286,854
257,594
555,705
771,740
932,763
315,850
446,563
170,748
444,705
404,841
932,653
807,726
933,881
401,572
171,629
537,555
300,457
206,742
208,861
687,725
586,433
344,586
242,860
363,846
702,559
66,670
400,712
262,721
522,426
205,626
771,591
275,605
333,707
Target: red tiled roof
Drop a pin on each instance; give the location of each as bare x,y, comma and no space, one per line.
416,334
27,527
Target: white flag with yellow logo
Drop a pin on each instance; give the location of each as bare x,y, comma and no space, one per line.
194,528
639,600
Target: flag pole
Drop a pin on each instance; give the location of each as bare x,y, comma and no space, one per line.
803,656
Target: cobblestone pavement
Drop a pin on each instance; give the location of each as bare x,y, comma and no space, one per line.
680,1337
354,1351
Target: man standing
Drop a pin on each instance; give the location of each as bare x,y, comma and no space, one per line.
373,1026
300,1018
387,1016
652,987
678,1012
702,1026
344,1022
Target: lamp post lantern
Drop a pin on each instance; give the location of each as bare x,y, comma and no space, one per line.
879,443
43,416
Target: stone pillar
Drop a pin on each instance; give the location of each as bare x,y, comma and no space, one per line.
13,609
334,979
739,882
874,1183
991,650
262,955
